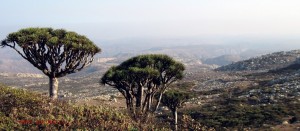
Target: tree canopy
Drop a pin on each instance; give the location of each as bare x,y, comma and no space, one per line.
175,99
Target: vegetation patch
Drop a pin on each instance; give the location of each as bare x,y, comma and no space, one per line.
234,113
24,110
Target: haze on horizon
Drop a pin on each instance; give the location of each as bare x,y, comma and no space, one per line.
116,19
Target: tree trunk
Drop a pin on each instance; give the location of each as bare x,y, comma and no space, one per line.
158,101
163,89
146,103
139,98
53,89
175,119
150,102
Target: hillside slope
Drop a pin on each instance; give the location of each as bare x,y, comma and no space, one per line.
23,110
223,60
265,62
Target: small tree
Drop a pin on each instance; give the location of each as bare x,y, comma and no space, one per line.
55,52
141,77
174,100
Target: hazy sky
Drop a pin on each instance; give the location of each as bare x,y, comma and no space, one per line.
114,19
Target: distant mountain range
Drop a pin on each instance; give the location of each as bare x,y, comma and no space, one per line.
204,54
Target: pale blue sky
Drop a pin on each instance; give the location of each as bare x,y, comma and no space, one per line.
114,19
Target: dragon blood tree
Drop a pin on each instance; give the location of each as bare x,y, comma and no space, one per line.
173,100
142,77
56,52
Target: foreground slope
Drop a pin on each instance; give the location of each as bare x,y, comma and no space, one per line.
23,110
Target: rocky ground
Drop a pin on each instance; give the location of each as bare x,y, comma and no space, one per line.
256,79
268,80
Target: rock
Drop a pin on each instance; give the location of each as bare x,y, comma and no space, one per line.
113,100
85,91
69,94
199,103
4,74
62,96
163,108
285,122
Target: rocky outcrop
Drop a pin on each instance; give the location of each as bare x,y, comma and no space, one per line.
30,75
4,74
